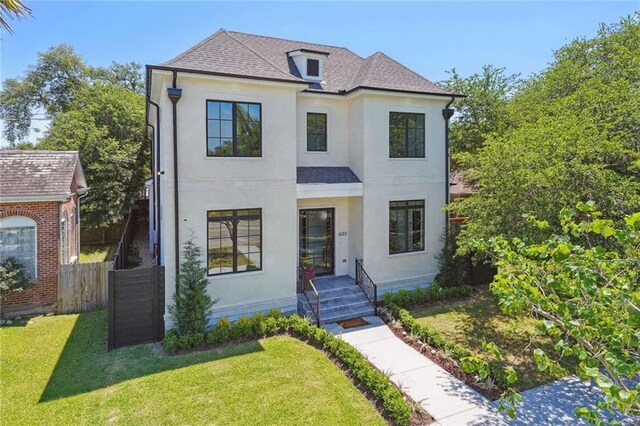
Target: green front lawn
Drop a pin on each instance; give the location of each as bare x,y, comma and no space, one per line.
56,370
91,254
472,321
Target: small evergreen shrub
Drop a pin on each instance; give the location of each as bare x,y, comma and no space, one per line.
192,304
13,276
454,267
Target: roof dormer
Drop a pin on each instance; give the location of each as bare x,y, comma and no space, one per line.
310,63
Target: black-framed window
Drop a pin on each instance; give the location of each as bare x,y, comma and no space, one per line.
406,226
313,67
234,241
234,129
406,135
316,131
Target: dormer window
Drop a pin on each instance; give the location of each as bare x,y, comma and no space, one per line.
313,68
310,63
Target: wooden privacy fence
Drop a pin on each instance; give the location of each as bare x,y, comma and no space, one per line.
136,306
82,287
97,236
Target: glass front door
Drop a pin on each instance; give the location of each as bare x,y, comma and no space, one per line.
316,240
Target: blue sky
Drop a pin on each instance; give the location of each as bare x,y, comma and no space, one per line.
428,37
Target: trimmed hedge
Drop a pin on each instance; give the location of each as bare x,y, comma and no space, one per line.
396,302
419,295
259,326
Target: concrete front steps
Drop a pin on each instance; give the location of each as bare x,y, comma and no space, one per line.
340,299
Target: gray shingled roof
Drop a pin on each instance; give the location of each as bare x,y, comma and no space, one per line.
39,173
326,175
248,55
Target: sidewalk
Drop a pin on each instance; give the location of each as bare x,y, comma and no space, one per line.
451,402
446,398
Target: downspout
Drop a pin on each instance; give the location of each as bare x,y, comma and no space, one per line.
156,184
174,95
447,113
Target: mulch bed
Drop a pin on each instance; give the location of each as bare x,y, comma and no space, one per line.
450,365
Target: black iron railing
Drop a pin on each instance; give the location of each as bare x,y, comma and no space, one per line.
306,287
367,285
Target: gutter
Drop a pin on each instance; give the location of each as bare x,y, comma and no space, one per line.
36,198
447,113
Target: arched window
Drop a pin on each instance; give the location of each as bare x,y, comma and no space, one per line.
18,240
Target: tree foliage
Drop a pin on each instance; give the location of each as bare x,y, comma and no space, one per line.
583,284
570,134
15,9
98,111
481,113
192,304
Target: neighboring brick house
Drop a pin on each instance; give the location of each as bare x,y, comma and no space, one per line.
40,220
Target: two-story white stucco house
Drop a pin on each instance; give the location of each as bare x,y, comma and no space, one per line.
277,154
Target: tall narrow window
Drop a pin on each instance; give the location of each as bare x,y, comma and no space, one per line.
18,241
64,259
406,135
316,131
74,236
406,226
234,129
234,241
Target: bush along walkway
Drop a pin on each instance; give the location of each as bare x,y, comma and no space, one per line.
375,385
446,398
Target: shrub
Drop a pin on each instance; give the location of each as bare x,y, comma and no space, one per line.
454,267
13,276
242,329
192,303
419,295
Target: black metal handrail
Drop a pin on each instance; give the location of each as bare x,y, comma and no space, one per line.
367,285
306,287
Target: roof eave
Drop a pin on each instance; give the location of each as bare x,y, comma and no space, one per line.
230,75
35,198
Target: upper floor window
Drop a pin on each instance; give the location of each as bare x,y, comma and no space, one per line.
18,241
234,241
313,67
316,131
406,135
406,226
234,129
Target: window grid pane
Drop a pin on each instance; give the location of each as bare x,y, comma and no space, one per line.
21,244
406,135
406,226
234,241
316,131
234,129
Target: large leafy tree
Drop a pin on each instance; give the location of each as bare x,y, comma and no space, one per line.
482,113
98,111
572,135
583,285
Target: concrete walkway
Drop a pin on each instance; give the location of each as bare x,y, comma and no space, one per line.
446,398
450,401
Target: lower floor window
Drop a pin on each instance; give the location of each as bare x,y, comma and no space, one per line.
18,241
234,241
406,226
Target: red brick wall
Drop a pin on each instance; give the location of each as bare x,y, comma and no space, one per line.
46,216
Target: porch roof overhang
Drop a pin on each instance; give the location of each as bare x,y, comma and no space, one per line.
329,190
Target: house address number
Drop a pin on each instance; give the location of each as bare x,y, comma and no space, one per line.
342,234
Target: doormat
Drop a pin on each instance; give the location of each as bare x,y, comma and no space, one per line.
356,322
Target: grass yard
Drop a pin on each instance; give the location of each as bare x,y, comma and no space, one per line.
56,370
479,319
91,254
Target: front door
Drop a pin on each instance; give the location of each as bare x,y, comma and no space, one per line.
316,240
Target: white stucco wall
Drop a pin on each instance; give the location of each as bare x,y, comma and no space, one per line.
358,137
337,153
210,183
